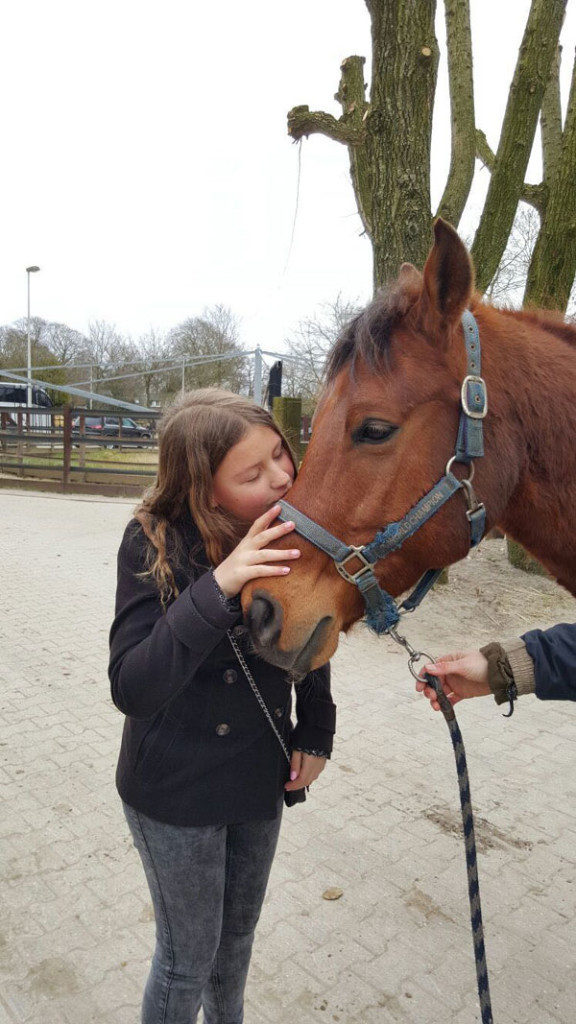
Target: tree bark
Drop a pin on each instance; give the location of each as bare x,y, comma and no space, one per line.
303,121
399,132
462,161
551,122
534,195
352,97
532,73
553,265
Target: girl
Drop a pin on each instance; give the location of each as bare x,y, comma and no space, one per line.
201,772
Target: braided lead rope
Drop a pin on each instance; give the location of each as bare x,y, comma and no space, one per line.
470,846
257,693
467,823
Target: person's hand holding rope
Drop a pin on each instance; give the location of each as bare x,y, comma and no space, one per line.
463,674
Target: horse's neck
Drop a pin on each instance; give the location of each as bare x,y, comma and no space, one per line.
541,513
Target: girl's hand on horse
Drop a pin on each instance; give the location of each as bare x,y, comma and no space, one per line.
463,675
304,769
249,559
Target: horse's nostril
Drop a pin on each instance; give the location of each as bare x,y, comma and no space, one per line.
264,618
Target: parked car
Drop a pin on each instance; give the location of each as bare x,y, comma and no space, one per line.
109,426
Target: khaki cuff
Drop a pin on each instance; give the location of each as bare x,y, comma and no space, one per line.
500,676
521,664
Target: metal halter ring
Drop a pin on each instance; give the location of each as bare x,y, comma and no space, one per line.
416,657
470,465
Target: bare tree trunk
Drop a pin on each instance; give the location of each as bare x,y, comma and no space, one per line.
399,132
553,265
537,53
463,154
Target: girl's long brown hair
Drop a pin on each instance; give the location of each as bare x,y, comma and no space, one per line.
194,435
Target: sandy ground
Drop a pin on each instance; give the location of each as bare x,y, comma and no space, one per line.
382,823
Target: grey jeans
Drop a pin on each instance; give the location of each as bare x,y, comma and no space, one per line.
207,886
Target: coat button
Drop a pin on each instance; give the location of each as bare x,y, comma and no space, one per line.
278,712
223,729
230,675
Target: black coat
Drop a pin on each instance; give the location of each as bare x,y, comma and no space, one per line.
197,748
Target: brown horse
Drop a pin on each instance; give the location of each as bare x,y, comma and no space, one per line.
385,429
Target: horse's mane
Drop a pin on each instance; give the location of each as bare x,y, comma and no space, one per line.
552,322
367,336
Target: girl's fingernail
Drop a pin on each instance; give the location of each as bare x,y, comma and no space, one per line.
293,775
285,569
289,524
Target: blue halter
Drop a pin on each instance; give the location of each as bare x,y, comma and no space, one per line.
382,612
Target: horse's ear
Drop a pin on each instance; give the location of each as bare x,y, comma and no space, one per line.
448,274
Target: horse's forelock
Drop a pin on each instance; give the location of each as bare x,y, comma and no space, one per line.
367,337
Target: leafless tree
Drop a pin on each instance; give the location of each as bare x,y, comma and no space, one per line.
388,129
308,347
215,333
153,351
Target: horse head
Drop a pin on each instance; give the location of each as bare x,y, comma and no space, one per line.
383,433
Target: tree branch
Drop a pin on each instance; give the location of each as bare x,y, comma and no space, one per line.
551,121
303,121
352,97
534,195
459,46
553,266
520,120
483,151
350,130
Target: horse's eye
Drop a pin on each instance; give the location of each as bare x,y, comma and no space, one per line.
374,432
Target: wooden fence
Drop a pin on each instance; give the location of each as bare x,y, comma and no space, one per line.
61,449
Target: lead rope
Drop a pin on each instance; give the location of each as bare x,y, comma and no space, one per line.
467,822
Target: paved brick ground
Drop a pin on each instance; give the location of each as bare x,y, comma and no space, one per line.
76,927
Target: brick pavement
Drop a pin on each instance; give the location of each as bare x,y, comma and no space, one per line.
76,926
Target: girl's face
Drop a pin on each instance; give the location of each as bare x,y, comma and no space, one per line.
254,475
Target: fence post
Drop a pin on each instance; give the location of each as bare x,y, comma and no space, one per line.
67,456
20,443
258,375
288,415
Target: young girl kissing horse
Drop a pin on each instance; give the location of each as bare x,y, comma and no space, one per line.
201,773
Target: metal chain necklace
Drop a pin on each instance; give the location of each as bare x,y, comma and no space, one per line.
257,693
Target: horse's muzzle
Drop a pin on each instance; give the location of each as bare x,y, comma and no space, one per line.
264,618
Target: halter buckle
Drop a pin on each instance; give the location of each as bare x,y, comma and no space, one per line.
353,577
474,391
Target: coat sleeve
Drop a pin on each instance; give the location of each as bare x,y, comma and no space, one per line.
315,712
155,653
553,652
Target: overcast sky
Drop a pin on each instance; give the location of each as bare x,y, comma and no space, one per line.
147,170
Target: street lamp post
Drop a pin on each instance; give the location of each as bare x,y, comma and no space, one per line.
29,270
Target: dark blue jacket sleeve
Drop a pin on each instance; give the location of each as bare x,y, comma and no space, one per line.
553,652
